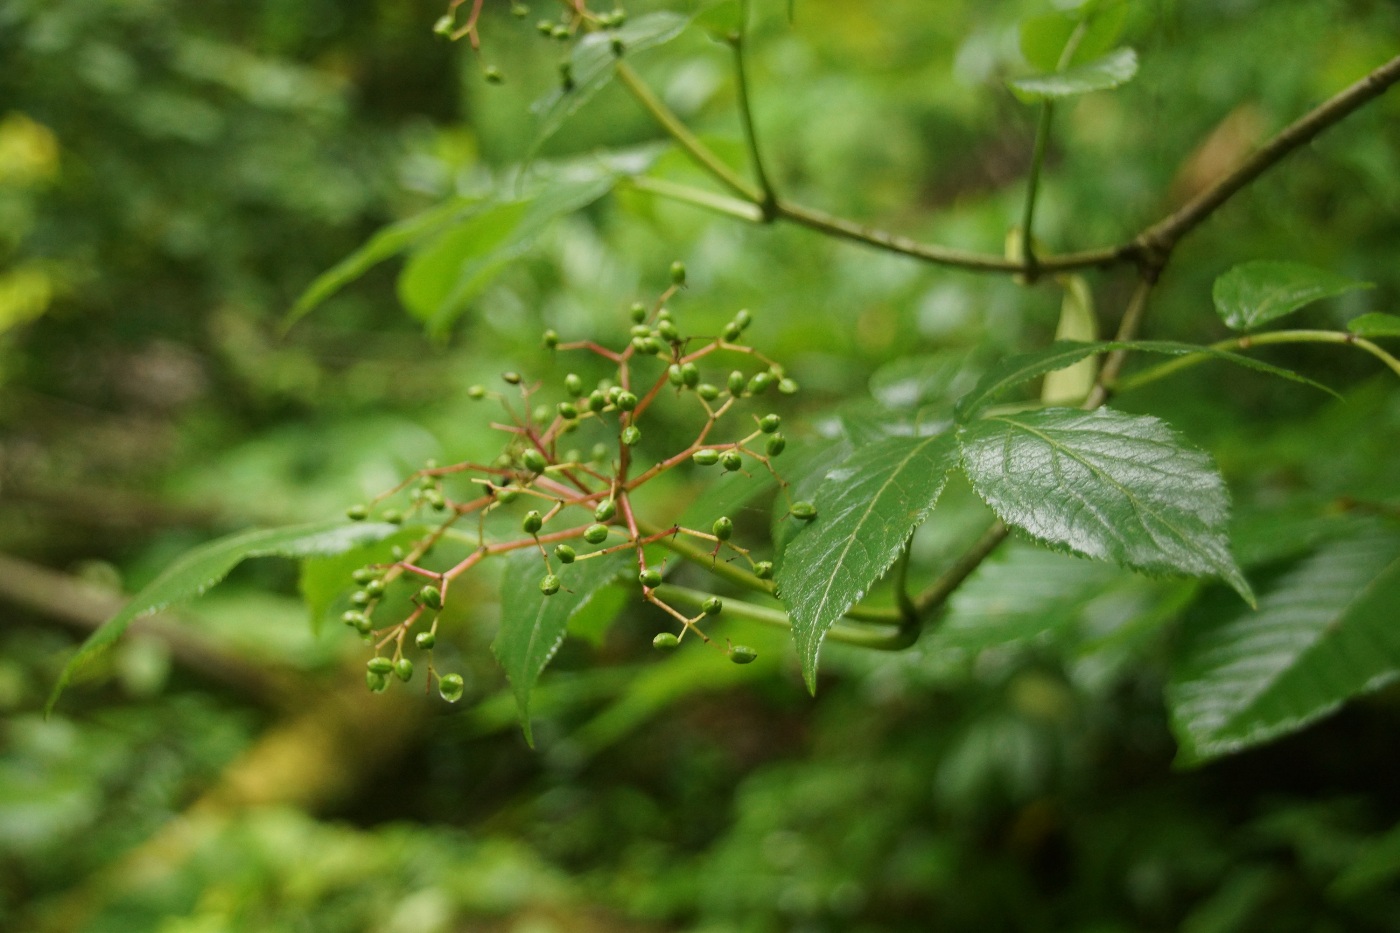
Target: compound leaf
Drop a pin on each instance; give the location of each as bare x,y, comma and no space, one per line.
1105,485
1325,633
866,511
198,570
1255,293
533,625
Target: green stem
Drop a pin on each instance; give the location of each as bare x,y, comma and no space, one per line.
884,638
1042,142
933,598
769,201
1162,370
684,137
720,204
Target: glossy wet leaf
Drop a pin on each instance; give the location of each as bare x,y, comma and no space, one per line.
1256,293
1105,485
866,511
197,570
1325,633
533,625
1102,74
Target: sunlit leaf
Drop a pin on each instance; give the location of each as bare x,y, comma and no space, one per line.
533,625
325,580
1102,74
866,511
1326,633
1258,292
199,569
1043,37
1375,325
1105,485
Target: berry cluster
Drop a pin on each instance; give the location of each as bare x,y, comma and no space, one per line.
571,507
576,20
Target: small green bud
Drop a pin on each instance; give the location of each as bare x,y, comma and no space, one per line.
763,570
640,330
673,374
787,386
731,332
573,384
605,510
630,435
769,423
677,273
359,598
403,669
706,391
597,401
776,445
723,528
669,331
493,75
804,511
476,392
595,534
617,18
551,339
737,383
742,654
690,374
600,452
358,621
665,641
663,314
375,587
519,10
567,411
377,683
435,500
549,585
541,414
426,641
650,577
627,401
364,575
743,318
545,27
431,597
533,460
760,383
445,24
706,457
392,516
378,665
712,606
566,554
732,461
450,687
357,513
650,346
560,32
513,378
638,312
532,522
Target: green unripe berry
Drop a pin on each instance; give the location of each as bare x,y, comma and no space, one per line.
638,312
545,27
712,606
493,75
533,460
804,511
519,10
435,500
364,575
650,577
566,554
769,423
665,641
760,383
663,314
597,401
723,528
476,392
549,585
706,391
541,414
358,621
630,435
393,516
378,665
787,386
763,570
513,378
731,460
743,318
357,513
450,687
650,346
627,401
673,375
731,331
742,654
640,330
595,534
445,24
426,641
532,522
600,452
359,598
705,457
776,445
567,411
506,495
573,384
551,339
690,374
677,273
605,510
617,18
737,383
403,669
668,331
375,587
377,683
560,32
431,597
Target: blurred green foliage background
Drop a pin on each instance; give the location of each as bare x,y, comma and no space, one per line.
173,174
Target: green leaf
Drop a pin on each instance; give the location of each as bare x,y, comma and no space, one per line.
439,282
1105,485
199,569
1375,325
915,381
592,65
1258,292
1326,633
1027,366
385,244
1102,74
323,581
1043,37
533,625
866,511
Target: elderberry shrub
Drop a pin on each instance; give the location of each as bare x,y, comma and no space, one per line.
570,508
